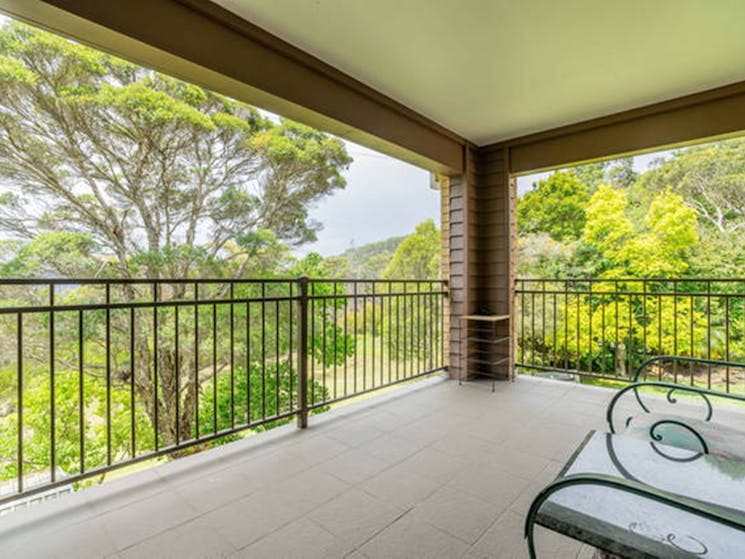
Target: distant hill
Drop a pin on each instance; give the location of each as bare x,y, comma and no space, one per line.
368,261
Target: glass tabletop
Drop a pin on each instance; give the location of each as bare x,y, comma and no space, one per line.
634,526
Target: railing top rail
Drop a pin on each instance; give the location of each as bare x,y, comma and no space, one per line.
192,281
607,280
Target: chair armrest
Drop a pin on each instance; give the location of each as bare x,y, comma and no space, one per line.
671,388
723,516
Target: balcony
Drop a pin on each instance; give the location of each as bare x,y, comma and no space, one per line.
433,469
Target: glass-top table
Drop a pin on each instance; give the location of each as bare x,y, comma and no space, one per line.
628,521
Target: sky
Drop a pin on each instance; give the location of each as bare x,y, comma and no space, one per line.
384,197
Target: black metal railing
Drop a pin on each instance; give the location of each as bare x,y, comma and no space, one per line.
605,328
100,374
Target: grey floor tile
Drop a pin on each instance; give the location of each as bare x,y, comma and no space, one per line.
408,538
435,465
355,516
504,539
354,466
301,539
193,540
138,521
438,470
400,487
457,513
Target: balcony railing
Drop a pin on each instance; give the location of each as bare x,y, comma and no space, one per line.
96,375
605,328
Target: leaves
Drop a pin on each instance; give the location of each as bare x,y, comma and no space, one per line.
555,206
418,255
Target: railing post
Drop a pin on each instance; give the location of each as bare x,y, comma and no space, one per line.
302,353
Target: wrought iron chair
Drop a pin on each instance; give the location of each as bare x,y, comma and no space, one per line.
670,425
679,443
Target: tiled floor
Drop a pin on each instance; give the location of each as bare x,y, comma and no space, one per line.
431,470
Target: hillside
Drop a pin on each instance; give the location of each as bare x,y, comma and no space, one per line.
368,261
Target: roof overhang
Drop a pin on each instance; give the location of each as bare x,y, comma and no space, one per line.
202,42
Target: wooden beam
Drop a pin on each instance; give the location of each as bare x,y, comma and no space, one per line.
199,41
710,114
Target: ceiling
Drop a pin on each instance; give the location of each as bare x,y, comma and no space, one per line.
496,69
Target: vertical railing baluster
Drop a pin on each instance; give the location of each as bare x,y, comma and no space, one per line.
644,321
417,324
277,406
372,335
132,430
382,340
566,326
302,357
589,336
405,354
345,289
81,394
312,319
232,356
356,332
398,337
52,392
554,355
214,368
155,365
675,330
440,308
263,350
708,333
336,339
690,322
290,322
19,397
324,326
177,372
108,375
248,361
630,349
659,336
726,339
364,339
196,361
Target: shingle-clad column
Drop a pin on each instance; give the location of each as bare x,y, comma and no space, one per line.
481,247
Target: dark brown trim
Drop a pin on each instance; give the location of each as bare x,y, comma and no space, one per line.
222,51
710,114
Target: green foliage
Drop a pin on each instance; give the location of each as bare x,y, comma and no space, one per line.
272,390
70,253
126,149
710,177
113,170
418,255
555,206
660,248
368,261
37,425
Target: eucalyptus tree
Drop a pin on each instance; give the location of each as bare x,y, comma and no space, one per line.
118,171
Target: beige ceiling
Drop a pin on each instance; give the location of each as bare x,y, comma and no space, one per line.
496,69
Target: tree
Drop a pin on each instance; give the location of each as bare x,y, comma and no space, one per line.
617,172
555,206
418,255
115,170
711,178
661,247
